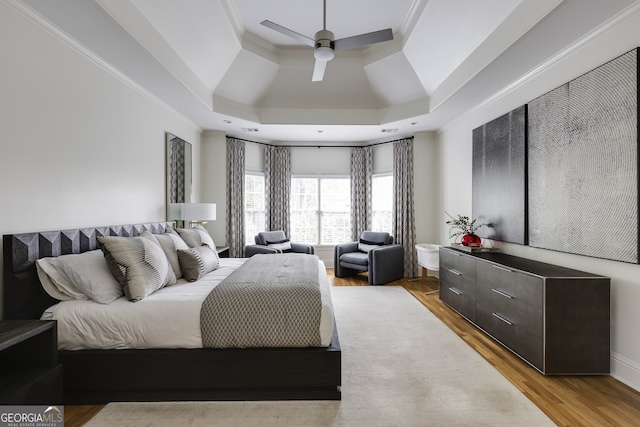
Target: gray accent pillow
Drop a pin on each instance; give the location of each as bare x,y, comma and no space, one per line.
198,261
138,263
170,243
196,236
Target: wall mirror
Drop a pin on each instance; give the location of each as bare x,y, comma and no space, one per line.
178,171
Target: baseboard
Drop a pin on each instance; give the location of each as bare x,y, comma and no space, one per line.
626,371
325,253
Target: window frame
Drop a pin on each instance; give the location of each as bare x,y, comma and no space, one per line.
319,211
382,175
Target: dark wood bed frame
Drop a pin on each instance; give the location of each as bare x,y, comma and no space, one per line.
101,376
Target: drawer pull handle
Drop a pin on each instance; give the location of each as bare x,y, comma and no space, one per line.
454,253
456,272
501,268
503,319
455,291
504,294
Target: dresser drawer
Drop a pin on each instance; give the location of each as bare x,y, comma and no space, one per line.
524,287
458,262
511,335
458,292
517,311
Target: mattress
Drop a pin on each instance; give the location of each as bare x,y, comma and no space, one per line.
169,318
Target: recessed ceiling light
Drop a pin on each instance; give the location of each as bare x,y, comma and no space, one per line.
389,130
227,121
250,129
414,123
320,131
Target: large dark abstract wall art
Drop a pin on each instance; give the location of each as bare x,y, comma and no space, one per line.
583,164
499,177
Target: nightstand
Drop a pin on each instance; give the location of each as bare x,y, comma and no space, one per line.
29,369
223,251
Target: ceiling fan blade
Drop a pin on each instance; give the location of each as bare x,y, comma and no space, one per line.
318,71
287,32
363,39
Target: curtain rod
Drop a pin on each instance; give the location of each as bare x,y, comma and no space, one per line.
320,146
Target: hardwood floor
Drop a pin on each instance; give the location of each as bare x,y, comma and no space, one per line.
567,400
79,415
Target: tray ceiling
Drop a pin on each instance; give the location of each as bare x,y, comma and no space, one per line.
213,62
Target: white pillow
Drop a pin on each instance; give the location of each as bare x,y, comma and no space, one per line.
79,276
283,245
366,246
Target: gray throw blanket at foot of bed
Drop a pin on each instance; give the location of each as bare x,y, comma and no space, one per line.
272,300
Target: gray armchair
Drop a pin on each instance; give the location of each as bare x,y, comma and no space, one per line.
374,253
273,242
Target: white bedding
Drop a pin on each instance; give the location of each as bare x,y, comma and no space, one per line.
169,318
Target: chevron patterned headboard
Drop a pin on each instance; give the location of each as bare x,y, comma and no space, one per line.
24,297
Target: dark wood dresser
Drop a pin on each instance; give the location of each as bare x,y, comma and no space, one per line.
555,318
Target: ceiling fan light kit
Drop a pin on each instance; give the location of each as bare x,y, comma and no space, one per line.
325,43
323,54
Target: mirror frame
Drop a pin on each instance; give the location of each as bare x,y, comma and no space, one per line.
172,147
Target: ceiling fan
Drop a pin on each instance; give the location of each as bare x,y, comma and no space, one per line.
325,45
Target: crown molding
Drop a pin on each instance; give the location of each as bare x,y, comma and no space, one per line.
415,12
45,25
610,25
232,13
33,17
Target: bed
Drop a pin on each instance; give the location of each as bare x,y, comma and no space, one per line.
182,371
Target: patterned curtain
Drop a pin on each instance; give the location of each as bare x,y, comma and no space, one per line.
277,182
361,173
176,170
235,197
404,228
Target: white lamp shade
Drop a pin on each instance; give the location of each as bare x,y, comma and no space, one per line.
192,211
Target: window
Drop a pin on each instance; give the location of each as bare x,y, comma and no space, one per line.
254,215
335,207
320,210
382,202
304,210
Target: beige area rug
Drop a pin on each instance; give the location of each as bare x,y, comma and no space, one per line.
401,367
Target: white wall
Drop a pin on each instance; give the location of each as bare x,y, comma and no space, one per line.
213,178
455,175
426,181
254,157
79,146
320,161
